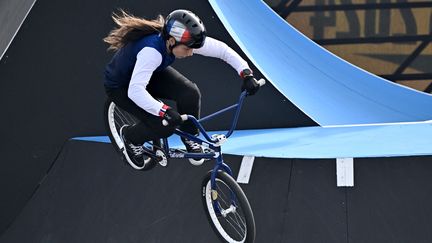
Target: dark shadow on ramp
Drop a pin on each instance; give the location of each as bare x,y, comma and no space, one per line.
90,195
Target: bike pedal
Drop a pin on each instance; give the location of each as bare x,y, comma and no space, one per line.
162,158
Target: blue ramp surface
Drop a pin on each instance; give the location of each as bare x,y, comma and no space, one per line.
358,141
328,89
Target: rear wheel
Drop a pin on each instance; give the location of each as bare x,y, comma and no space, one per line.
115,118
228,209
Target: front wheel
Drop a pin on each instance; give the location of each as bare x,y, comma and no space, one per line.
228,209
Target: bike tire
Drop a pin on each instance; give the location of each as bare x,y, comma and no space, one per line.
243,230
115,118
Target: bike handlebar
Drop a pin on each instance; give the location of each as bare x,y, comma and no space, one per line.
186,117
261,82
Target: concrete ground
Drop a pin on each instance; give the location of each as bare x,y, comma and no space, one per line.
12,14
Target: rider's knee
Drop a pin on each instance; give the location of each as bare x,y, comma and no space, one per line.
192,93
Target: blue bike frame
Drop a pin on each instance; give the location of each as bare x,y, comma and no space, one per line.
213,143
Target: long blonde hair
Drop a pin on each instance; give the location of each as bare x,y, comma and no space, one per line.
130,28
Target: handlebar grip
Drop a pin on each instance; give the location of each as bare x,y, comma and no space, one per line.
261,82
183,117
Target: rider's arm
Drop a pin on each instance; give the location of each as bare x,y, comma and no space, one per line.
148,59
218,49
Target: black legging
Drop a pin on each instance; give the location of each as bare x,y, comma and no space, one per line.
167,84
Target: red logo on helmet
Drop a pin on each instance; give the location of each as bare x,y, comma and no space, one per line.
185,37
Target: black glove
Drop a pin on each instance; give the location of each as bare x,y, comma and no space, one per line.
250,84
171,116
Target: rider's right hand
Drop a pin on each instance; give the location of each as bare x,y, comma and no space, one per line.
250,84
171,116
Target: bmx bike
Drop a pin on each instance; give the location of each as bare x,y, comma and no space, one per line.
225,203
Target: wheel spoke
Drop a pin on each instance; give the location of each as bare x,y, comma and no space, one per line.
226,205
122,116
241,234
233,224
234,219
240,225
239,217
224,195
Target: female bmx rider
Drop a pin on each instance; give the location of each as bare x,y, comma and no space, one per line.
139,74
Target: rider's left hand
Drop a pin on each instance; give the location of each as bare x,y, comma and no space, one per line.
250,84
171,116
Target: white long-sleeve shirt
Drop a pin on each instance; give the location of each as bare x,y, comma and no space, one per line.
149,59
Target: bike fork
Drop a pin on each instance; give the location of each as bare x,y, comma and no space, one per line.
220,165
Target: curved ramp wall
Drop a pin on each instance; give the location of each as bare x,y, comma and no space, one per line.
328,89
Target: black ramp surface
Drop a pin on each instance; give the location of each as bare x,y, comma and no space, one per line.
51,92
267,192
316,209
391,201
52,87
91,196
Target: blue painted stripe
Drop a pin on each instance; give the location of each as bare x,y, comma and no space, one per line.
99,139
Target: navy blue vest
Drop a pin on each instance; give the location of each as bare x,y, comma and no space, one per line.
119,71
